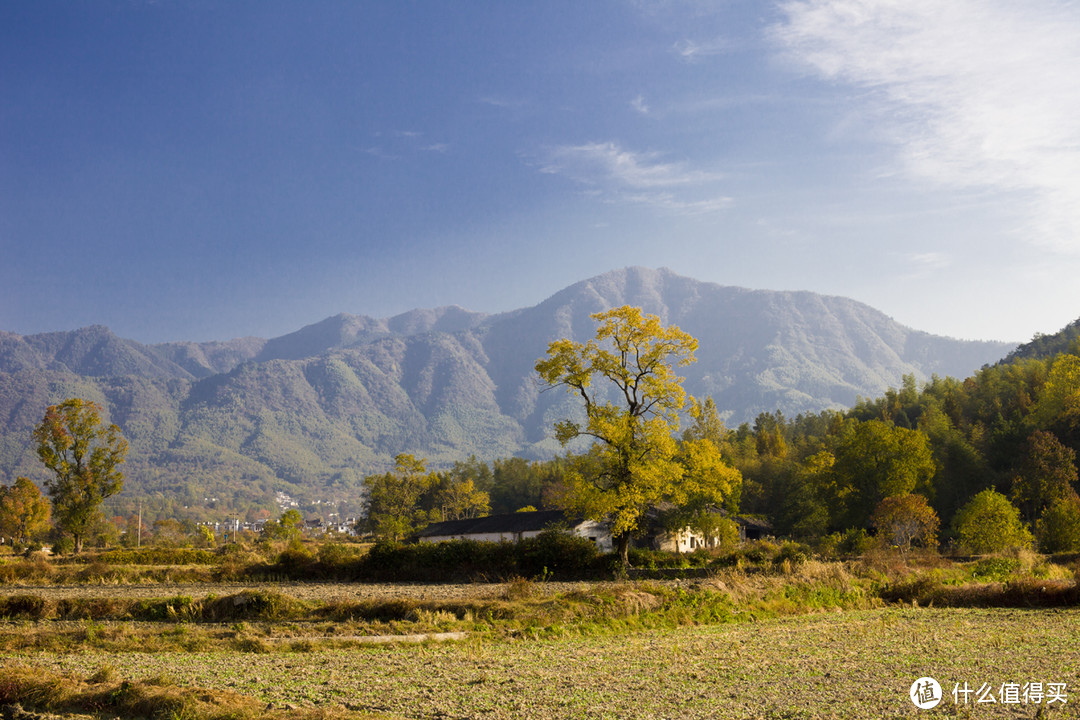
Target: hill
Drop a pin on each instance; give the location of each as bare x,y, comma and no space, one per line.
312,412
1044,346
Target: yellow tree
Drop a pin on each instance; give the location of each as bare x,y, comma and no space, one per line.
903,519
84,457
393,499
635,462
24,512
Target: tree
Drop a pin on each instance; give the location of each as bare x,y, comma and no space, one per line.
287,527
1046,474
876,460
903,519
458,498
84,457
634,462
1058,529
990,523
24,512
393,502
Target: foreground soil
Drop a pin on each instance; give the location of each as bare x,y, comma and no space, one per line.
833,665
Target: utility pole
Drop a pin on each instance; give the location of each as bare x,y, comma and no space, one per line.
139,542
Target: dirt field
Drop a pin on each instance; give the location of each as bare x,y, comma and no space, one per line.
848,665
298,590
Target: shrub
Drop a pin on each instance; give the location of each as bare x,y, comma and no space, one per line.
990,523
999,569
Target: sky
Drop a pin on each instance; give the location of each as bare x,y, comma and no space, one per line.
203,170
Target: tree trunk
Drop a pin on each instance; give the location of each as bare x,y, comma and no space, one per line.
624,549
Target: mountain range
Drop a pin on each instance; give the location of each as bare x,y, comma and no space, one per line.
310,413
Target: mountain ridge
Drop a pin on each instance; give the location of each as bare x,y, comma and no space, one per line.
318,408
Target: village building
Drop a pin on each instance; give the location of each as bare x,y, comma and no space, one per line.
657,537
514,527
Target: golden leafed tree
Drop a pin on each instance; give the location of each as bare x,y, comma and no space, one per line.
626,377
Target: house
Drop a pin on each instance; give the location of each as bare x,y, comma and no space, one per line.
659,537
514,527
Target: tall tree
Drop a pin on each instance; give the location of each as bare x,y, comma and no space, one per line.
393,502
1046,473
84,457
24,511
876,460
634,462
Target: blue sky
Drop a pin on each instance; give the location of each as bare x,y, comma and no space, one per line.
190,169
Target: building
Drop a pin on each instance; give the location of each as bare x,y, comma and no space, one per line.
514,527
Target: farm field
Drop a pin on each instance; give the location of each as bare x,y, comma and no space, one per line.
845,664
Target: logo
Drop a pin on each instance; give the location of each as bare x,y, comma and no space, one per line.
925,693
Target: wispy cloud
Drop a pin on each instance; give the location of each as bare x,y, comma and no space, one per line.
695,50
397,144
618,175
927,264
640,105
976,93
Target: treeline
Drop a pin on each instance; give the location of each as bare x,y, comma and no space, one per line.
1000,446
1012,429
409,497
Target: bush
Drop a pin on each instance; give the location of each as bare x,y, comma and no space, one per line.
159,556
999,569
990,523
551,553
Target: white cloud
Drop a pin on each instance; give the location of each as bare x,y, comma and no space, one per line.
692,50
927,264
640,105
976,93
618,175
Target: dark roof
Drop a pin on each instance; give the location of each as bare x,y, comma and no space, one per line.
754,522
508,523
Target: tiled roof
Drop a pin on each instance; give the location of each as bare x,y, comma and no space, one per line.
508,523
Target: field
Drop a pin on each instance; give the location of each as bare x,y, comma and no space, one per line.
654,651
852,665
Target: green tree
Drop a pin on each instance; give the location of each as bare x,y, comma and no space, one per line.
287,527
634,462
24,512
84,457
393,502
876,460
1059,398
1046,474
1058,529
990,523
903,519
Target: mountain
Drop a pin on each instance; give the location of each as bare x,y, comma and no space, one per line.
310,413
